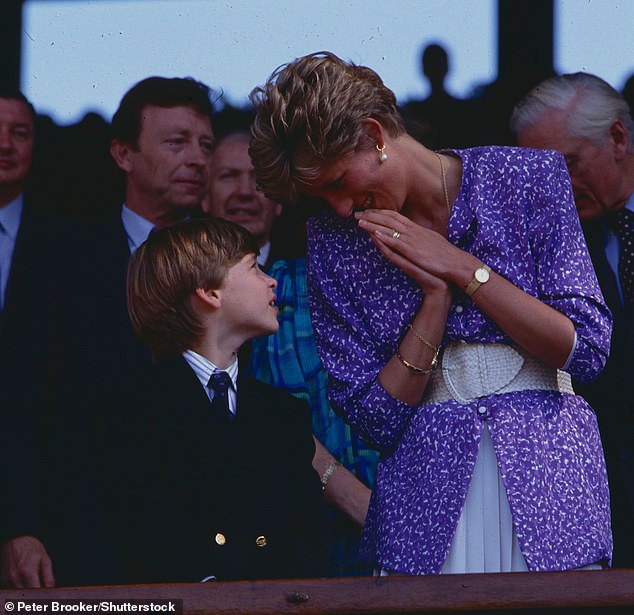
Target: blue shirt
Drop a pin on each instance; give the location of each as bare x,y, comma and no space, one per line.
10,216
137,228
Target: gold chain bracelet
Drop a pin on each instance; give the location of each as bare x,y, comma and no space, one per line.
420,338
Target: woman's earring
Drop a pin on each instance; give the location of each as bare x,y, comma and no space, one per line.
382,154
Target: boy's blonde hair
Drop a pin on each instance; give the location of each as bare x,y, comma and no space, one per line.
166,270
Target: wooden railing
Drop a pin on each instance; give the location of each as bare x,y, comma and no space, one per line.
555,592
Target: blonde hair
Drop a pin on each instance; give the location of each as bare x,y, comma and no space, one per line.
310,113
165,271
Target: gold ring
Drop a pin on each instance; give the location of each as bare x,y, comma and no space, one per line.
396,235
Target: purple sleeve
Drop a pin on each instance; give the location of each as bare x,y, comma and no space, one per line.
350,353
565,276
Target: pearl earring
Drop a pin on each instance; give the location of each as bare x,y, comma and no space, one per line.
382,154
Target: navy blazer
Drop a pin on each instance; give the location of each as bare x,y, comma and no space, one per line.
612,393
612,397
25,358
93,345
191,495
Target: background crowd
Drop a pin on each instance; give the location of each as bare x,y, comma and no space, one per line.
440,120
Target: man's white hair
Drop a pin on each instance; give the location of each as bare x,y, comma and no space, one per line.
591,104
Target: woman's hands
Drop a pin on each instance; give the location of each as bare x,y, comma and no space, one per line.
433,262
423,254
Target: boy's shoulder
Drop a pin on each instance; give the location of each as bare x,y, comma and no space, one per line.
154,385
271,399
267,393
155,390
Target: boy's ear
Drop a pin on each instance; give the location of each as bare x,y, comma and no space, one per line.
209,296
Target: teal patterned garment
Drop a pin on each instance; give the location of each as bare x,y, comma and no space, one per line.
288,359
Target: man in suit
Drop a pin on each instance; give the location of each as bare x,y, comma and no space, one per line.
234,196
590,123
161,141
17,119
19,225
25,241
213,476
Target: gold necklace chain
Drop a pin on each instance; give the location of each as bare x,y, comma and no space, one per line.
444,182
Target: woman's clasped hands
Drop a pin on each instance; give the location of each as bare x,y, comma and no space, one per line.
421,253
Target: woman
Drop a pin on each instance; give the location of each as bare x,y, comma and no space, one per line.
451,294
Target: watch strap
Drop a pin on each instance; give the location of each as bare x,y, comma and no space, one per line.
475,283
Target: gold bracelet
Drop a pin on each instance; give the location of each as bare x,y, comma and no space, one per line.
328,473
420,338
419,371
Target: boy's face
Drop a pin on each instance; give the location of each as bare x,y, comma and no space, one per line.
248,299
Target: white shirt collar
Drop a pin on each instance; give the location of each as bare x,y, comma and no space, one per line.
136,227
203,368
263,255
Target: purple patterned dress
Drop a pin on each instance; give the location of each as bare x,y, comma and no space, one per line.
515,212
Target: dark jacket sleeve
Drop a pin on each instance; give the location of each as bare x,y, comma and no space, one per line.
308,553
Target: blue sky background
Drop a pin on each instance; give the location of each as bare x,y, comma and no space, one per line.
83,55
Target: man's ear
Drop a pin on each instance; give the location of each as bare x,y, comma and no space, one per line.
619,137
120,153
209,296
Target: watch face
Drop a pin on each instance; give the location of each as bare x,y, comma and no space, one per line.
482,275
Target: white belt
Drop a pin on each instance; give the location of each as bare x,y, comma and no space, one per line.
469,371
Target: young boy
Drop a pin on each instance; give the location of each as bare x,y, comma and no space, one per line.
212,475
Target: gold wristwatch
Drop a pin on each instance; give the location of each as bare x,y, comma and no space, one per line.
480,277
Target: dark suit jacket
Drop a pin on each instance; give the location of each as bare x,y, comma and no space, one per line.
612,397
285,245
278,252
191,495
25,356
93,345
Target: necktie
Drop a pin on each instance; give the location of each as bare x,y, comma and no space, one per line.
219,383
624,224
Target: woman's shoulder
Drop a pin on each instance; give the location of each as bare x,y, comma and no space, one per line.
508,156
508,170
336,239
